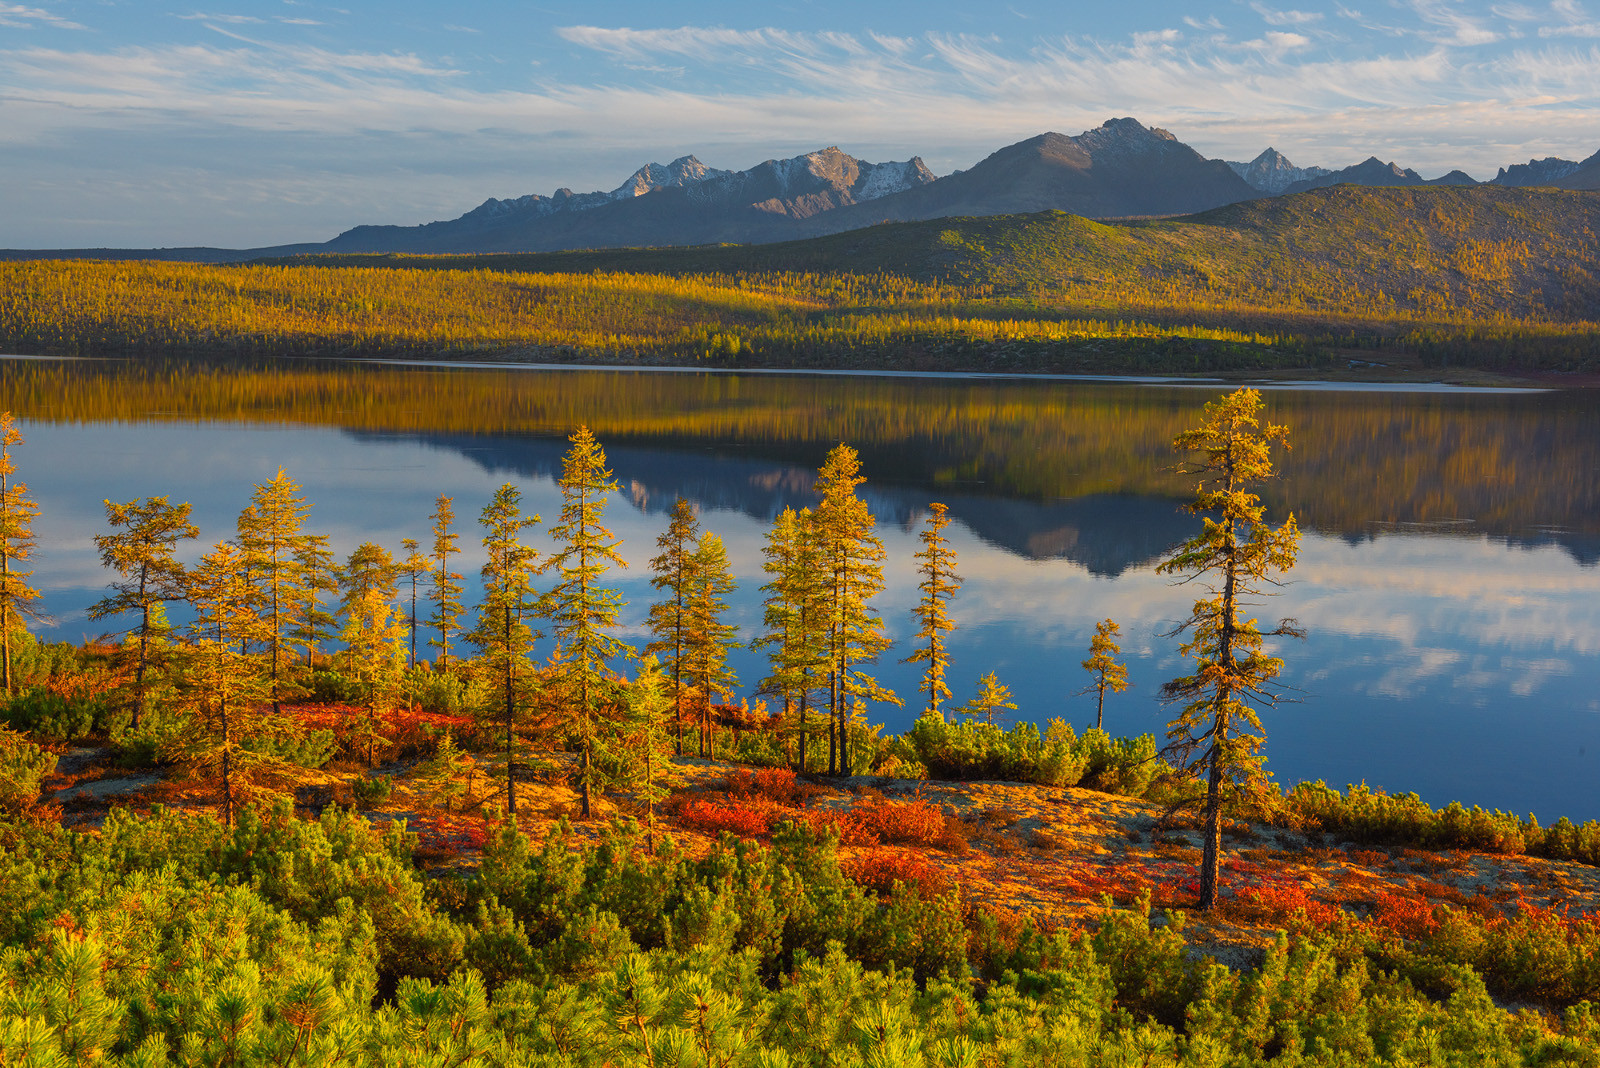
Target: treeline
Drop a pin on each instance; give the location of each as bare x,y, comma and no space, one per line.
1501,459
98,308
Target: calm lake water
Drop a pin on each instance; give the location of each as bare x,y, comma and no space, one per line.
1447,578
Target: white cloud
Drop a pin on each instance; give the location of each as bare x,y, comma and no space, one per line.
1286,18
1451,26
23,17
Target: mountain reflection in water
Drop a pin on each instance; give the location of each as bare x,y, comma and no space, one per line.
1446,578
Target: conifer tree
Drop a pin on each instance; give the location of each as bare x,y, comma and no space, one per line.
794,618
223,684
17,513
710,638
445,590
581,610
413,567
992,697
142,552
1218,733
314,624
850,557
1103,668
373,636
648,741
502,634
669,617
270,537
938,585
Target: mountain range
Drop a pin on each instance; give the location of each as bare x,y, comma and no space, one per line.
1120,169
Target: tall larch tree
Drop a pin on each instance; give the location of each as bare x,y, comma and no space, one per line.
142,550
17,513
502,635
711,637
850,557
444,589
669,617
413,566
936,562
1104,671
224,686
1218,733
374,637
270,537
793,619
314,624
582,610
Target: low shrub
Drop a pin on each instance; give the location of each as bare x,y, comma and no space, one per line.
23,766
1288,904
369,790
880,869
55,717
311,750
714,817
914,822
332,688
778,785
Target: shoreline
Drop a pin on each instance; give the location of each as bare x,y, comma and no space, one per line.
1496,384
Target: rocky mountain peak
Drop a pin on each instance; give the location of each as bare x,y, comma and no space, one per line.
1119,136
1272,172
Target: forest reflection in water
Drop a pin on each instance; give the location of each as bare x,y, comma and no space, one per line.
1446,579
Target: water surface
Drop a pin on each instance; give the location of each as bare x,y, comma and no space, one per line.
1446,578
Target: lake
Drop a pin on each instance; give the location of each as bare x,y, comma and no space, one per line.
1447,578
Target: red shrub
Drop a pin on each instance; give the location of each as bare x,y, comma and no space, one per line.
744,820
777,785
913,822
1287,903
441,835
1408,917
824,821
880,869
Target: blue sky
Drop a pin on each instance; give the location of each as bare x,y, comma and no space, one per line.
251,122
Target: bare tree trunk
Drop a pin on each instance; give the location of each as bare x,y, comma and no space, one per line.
227,767
1213,833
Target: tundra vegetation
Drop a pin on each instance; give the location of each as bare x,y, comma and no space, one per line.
217,920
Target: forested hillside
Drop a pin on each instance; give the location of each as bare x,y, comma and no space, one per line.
1487,276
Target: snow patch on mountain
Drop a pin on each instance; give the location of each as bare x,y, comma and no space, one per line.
1272,173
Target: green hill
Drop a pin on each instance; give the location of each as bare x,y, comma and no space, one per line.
1452,252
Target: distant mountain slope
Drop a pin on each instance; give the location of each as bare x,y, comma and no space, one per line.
1585,175
1119,169
1371,171
1545,171
684,204
1444,250
1272,173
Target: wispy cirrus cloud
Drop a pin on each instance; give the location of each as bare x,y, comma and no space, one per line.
21,16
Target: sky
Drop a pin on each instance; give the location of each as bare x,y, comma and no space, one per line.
147,123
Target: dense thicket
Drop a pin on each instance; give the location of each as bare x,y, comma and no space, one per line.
170,939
